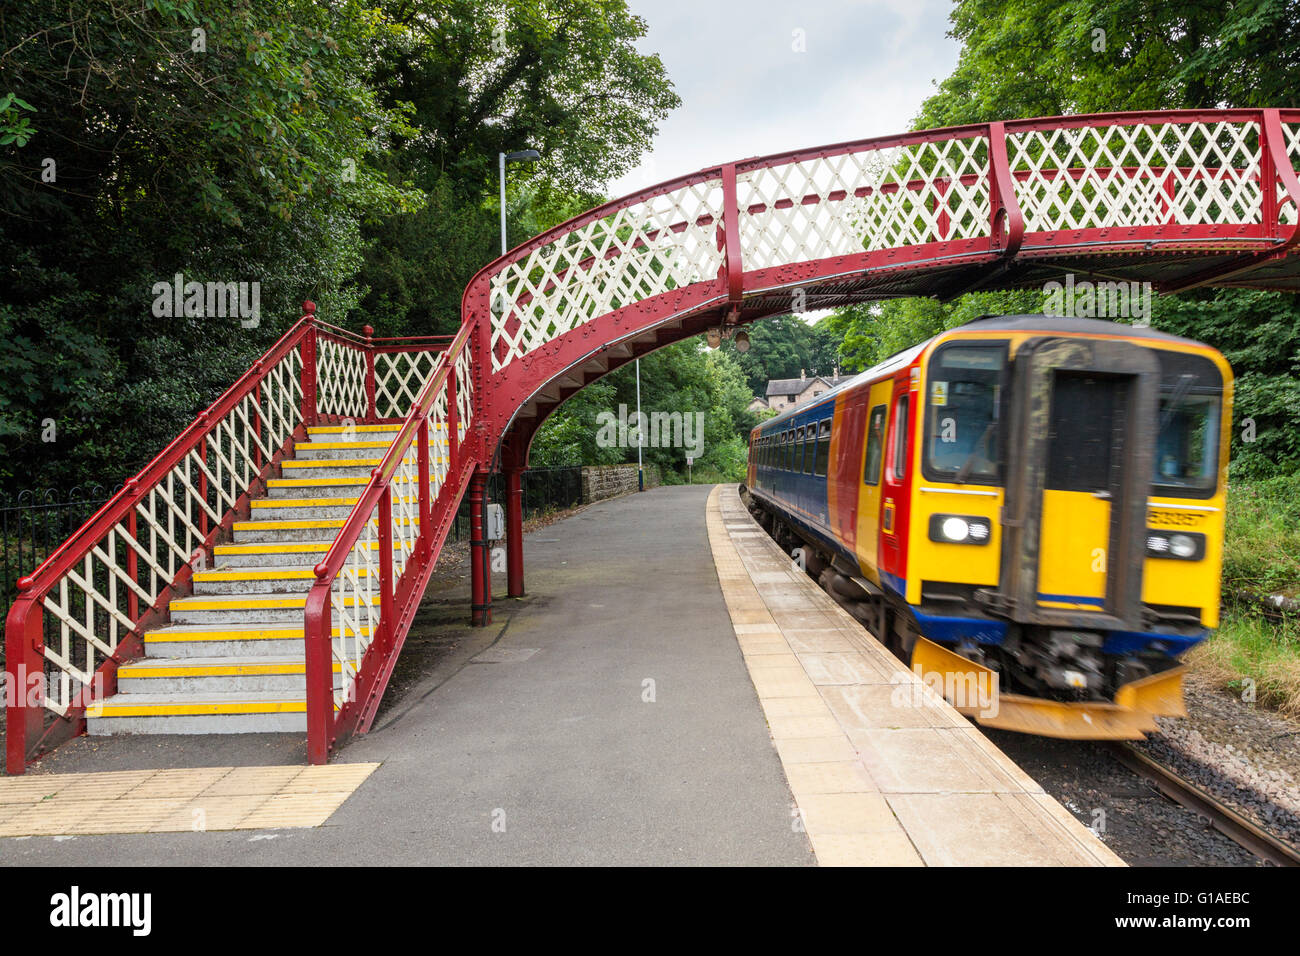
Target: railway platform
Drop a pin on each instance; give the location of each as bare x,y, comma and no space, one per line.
670,691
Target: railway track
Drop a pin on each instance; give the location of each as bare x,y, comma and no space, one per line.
1220,816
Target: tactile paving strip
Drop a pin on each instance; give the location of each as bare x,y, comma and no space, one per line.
884,772
163,801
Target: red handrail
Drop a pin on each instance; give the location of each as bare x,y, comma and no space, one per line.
397,598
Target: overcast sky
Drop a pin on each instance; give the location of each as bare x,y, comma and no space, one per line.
746,91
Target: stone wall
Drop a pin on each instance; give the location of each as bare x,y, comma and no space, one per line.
609,481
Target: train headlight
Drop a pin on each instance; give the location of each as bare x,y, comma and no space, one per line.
960,529
1181,545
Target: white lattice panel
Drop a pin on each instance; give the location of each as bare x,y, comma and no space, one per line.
399,376
1137,175
638,251
340,379
872,199
464,392
88,611
354,601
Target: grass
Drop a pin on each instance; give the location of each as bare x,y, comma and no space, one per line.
1261,557
1249,647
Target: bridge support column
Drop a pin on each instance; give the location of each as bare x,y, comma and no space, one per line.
515,532
480,556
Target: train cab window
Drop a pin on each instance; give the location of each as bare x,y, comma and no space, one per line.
875,444
823,456
963,408
809,448
899,463
1187,443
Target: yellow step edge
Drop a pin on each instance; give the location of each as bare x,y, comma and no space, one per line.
298,524
107,708
263,574
217,670
319,482
316,502
329,445
249,603
336,429
181,636
289,548
333,462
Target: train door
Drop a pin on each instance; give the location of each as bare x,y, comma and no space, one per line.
1085,434
873,459
1079,472
895,486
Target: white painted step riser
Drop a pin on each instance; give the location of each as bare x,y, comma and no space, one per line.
279,683
305,453
263,648
279,559
233,618
322,470
206,724
353,435
260,587
285,535
300,512
337,490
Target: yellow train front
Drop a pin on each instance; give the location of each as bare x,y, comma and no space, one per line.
1028,509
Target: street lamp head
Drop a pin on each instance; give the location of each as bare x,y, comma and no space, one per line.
523,155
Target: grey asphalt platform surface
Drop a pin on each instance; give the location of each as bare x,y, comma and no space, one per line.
552,754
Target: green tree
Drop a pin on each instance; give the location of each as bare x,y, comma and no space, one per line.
1024,58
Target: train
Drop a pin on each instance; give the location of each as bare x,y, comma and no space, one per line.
1028,510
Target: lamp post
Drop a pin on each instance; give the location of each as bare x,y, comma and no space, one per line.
520,156
640,473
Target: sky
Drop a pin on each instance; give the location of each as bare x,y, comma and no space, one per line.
747,91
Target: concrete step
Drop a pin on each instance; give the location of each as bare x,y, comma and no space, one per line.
339,450
334,486
291,509
248,608
344,432
276,554
272,580
227,640
359,466
201,675
286,531
233,712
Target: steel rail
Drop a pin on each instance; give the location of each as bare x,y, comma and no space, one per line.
1222,817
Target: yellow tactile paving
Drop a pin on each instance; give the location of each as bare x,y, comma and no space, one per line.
163,801
883,771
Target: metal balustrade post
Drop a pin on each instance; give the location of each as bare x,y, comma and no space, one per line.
479,557
425,494
25,667
514,532
371,410
384,632
309,365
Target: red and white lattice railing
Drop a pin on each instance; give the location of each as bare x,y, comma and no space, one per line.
83,611
387,548
1107,184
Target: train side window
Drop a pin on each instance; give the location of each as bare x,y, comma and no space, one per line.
823,447
875,442
809,448
899,464
788,450
796,462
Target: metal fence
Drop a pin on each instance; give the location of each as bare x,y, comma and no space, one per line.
544,489
34,523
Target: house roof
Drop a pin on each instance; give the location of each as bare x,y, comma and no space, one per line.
796,386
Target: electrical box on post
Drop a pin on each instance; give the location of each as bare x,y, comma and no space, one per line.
496,522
